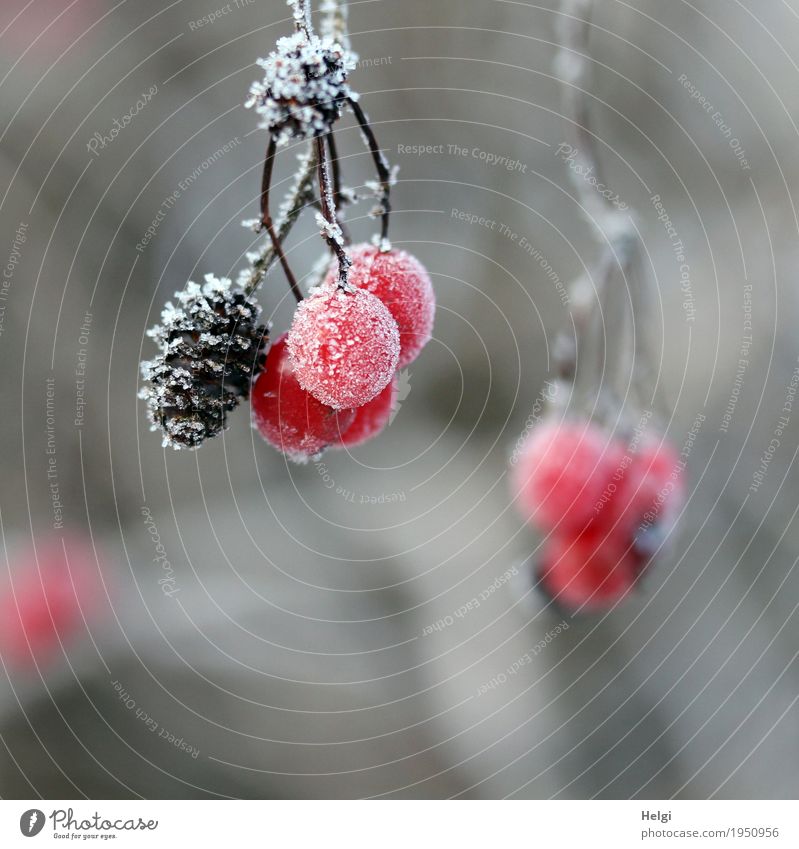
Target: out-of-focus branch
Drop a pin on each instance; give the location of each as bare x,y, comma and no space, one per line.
612,308
573,67
333,23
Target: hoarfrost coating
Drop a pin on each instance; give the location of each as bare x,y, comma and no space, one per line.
304,87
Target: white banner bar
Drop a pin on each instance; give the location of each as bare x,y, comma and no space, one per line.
402,824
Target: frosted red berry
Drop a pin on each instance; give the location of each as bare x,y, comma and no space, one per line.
588,571
403,285
371,418
344,346
288,417
563,472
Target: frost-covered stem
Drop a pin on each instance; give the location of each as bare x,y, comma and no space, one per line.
331,231
337,198
381,165
302,15
300,195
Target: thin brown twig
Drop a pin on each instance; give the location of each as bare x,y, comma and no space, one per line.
383,171
266,219
300,196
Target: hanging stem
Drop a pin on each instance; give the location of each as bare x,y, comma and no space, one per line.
332,232
300,195
302,16
381,165
333,23
573,67
266,219
610,227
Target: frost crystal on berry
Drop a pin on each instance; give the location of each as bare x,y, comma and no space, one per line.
304,86
211,346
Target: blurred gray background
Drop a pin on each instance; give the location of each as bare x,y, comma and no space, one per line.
296,655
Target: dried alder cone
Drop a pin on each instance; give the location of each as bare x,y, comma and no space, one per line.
210,345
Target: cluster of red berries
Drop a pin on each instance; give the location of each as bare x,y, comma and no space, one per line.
605,505
331,380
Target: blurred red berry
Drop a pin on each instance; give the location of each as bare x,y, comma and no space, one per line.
371,418
344,346
47,599
650,497
403,285
589,571
563,472
49,25
651,490
288,417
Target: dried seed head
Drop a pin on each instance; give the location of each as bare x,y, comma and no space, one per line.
211,347
304,86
